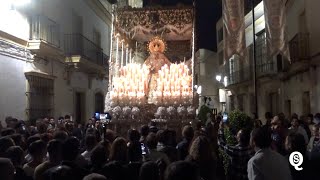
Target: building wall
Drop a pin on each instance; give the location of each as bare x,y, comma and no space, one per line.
293,87
312,13
12,88
207,78
13,83
62,11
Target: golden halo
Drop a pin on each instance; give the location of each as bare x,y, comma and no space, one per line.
157,44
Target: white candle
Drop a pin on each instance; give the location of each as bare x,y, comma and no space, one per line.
127,54
122,53
117,53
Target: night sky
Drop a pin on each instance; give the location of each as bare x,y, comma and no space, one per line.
208,12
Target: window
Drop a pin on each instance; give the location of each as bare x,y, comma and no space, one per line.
261,48
232,71
40,96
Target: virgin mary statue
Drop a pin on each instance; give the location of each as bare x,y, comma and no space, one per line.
154,62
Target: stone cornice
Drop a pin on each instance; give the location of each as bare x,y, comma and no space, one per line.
13,50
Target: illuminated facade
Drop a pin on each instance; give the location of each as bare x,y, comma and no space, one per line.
282,87
53,58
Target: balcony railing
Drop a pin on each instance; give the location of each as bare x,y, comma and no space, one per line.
266,68
77,44
299,47
242,75
45,29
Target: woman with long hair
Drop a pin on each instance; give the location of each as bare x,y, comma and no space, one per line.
201,153
119,151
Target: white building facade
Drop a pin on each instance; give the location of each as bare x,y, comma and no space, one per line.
53,58
281,86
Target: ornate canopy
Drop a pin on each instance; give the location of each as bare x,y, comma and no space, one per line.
171,24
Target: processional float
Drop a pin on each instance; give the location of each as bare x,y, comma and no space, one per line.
151,65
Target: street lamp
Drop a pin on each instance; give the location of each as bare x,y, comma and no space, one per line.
218,78
225,81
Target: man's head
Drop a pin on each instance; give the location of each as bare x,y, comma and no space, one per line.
243,137
182,170
295,142
6,169
295,122
90,141
94,176
16,155
268,115
133,135
55,150
60,135
187,132
276,123
38,149
261,138
61,120
61,172
151,141
67,117
144,130
99,156
46,120
310,118
52,121
5,143
70,149
149,171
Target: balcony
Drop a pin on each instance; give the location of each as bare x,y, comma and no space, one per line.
83,53
240,76
266,68
44,36
299,47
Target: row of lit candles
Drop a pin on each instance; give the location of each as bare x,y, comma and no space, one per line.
174,80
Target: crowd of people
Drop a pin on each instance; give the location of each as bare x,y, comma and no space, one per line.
62,149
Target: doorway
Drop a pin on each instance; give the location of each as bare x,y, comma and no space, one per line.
79,107
274,103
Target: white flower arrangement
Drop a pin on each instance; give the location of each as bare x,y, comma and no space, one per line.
135,111
108,109
181,110
126,111
171,110
160,111
117,110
